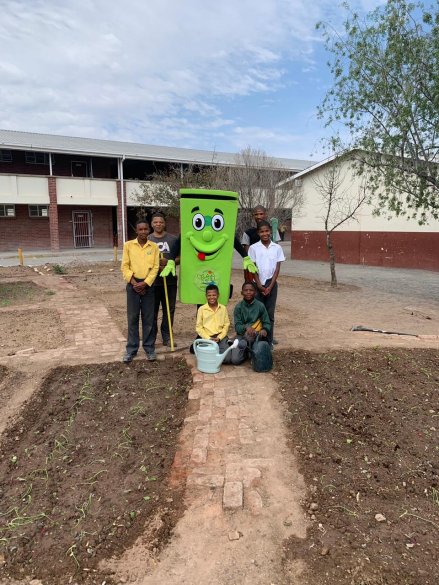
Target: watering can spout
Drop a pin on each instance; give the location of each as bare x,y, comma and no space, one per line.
209,359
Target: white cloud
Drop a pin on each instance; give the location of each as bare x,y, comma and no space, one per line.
162,71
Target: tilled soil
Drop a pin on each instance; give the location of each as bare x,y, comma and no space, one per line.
86,466
365,426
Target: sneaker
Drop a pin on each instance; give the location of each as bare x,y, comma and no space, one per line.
127,358
275,341
151,356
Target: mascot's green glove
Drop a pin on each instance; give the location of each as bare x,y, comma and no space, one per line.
168,269
249,264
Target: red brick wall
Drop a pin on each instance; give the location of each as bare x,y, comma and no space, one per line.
101,221
53,214
392,249
29,233
34,233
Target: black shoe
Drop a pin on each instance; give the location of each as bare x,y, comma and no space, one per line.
128,358
151,356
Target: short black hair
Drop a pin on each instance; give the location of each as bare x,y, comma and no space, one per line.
141,220
158,214
251,283
262,224
212,286
260,207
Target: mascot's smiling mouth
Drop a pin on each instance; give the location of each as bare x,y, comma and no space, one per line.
208,252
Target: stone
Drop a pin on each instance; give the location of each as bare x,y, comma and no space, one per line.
232,495
380,518
313,506
234,535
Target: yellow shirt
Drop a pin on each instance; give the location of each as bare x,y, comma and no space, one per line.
140,261
211,322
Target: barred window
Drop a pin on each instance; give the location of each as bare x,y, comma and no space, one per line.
38,211
7,210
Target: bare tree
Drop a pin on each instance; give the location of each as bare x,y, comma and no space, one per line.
341,202
262,180
162,192
258,178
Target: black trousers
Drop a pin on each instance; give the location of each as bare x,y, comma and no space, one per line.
140,306
160,301
270,305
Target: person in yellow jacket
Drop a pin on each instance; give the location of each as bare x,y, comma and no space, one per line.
140,266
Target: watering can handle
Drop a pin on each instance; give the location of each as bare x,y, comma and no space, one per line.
198,342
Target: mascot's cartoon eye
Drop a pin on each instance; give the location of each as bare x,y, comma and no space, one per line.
198,221
217,222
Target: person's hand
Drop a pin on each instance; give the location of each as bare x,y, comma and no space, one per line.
263,333
250,332
163,262
249,265
168,269
267,290
215,338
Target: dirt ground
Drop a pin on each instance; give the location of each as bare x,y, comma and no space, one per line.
365,426
85,468
360,410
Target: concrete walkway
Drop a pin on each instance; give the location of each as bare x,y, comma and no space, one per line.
422,284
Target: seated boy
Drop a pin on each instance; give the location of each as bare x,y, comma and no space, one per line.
251,319
213,321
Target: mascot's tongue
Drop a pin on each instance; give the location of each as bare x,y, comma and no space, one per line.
201,256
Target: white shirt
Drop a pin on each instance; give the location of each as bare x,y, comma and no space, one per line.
266,259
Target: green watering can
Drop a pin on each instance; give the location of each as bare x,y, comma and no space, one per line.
209,359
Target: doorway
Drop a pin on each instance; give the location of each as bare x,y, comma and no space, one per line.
82,229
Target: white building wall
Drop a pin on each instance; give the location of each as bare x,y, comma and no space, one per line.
312,212
134,187
78,191
20,189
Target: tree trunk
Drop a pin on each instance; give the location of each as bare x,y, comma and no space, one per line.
331,259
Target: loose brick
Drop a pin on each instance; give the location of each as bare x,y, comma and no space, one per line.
232,495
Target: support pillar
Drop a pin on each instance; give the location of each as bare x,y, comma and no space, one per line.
53,215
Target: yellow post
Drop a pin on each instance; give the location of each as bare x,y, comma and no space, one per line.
115,254
168,312
20,256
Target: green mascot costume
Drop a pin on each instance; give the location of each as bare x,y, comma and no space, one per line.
208,222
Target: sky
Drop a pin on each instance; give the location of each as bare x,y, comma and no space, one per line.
198,74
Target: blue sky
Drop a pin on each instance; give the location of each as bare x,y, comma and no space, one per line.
188,73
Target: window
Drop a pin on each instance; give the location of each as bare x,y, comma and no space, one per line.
5,156
7,210
37,158
38,211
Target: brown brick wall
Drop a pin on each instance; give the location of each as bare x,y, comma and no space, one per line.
34,233
101,221
29,233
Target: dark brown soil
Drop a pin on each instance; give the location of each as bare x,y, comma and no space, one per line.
22,292
365,427
86,466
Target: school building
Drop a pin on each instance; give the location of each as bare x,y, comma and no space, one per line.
62,192
384,240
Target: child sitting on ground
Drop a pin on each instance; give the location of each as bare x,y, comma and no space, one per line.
213,321
251,319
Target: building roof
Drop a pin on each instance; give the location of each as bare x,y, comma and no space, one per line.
14,140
